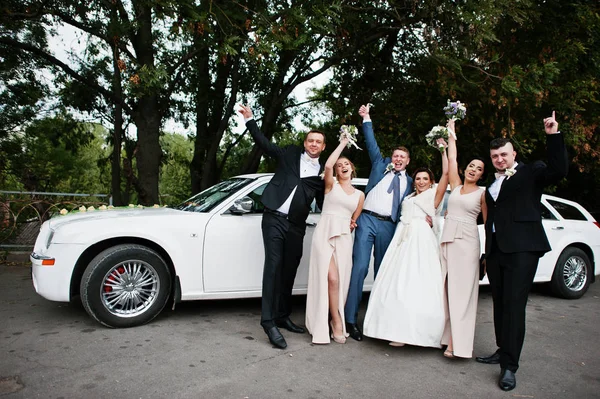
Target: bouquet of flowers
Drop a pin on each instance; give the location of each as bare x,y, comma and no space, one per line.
455,110
438,132
350,132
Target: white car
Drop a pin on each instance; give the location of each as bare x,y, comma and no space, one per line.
125,264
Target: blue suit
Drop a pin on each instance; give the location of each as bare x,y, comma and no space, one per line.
370,231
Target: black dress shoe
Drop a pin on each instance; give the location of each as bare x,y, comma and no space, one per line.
491,359
289,325
276,338
507,381
353,330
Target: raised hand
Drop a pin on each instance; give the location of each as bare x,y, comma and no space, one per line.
441,143
245,111
550,124
344,139
363,111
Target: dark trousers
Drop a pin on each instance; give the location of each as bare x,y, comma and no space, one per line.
511,277
283,250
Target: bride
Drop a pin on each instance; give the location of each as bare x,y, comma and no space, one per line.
406,304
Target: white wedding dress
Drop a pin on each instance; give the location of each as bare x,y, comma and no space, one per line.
406,303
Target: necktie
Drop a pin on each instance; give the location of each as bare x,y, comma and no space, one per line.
395,187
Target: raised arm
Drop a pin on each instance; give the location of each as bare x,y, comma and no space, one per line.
443,183
453,176
558,162
265,144
370,142
330,164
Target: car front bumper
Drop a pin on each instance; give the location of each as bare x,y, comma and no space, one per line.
53,282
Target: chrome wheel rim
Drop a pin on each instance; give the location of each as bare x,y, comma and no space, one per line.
130,288
575,273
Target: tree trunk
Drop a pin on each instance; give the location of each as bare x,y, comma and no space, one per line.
147,114
273,107
115,176
202,106
148,156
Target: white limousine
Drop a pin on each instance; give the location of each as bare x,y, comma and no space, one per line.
126,264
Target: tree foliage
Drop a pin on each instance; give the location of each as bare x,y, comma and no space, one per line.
145,62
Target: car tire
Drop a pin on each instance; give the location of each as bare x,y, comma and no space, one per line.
125,286
572,274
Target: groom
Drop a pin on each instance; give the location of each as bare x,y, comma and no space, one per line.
388,184
515,240
287,200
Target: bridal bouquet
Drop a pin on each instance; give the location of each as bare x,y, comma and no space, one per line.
350,132
455,110
438,132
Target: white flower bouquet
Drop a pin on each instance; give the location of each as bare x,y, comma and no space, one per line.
349,131
455,110
437,132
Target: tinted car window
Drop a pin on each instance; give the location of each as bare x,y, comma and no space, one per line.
211,197
567,211
258,206
546,214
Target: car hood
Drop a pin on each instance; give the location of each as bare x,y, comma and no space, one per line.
126,213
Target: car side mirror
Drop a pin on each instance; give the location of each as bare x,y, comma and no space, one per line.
242,205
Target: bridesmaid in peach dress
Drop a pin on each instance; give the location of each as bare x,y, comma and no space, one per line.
460,250
331,251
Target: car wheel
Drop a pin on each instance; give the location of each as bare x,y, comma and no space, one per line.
125,286
572,274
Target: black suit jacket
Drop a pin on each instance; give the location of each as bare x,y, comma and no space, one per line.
287,176
517,213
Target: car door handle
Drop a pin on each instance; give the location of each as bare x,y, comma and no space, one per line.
558,228
310,224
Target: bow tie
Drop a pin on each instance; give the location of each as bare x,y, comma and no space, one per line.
308,158
499,175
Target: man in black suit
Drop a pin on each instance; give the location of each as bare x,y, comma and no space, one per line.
287,200
515,240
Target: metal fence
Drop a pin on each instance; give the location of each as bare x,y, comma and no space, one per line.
23,212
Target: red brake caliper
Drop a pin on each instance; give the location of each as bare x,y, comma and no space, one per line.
111,278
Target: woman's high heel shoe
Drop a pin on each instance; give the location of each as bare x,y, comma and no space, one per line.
340,339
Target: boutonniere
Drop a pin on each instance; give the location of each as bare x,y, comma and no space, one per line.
389,168
509,172
322,176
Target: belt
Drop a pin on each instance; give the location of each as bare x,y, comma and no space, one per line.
276,213
378,216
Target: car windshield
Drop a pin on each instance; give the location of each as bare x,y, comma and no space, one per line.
213,196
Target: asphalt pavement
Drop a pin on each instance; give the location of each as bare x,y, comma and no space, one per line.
217,349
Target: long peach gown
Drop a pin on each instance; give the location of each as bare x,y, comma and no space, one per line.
460,250
332,237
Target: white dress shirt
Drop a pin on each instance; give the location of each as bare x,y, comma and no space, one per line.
495,189
495,186
307,169
379,200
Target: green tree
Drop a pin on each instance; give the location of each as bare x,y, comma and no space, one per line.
175,185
